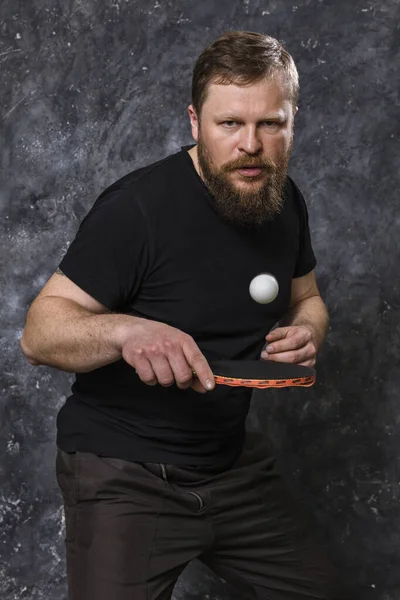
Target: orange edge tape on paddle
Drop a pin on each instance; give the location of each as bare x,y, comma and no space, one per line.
265,383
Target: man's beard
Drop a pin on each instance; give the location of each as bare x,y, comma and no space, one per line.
254,204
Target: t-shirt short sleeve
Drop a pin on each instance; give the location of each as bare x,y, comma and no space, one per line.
306,260
108,257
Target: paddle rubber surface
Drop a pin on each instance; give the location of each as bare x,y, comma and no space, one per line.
261,374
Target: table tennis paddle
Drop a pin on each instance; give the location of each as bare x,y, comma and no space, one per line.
261,374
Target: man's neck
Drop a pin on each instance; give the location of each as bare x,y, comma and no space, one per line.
193,155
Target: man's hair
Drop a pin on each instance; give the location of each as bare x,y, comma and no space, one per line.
242,57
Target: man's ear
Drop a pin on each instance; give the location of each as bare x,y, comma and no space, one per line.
194,122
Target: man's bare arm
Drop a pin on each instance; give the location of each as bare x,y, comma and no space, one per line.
68,329
312,314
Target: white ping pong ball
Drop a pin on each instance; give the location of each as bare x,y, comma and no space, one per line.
264,288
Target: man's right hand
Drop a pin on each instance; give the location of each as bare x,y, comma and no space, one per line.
163,354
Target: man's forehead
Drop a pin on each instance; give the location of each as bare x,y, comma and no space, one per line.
268,95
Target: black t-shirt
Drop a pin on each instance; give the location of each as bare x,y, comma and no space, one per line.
154,246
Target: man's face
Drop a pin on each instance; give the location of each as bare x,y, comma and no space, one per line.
244,140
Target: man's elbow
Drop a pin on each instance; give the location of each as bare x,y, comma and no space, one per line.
28,352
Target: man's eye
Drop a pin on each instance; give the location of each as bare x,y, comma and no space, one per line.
270,123
230,123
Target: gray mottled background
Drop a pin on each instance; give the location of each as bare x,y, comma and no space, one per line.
91,90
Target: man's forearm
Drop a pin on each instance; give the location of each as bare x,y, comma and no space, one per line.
310,313
61,334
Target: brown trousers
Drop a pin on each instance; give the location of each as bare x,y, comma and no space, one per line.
131,528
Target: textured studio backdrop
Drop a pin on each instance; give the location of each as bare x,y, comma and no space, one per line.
91,90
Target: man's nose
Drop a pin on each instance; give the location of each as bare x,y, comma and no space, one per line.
249,141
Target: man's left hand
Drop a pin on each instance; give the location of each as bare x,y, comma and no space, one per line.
292,344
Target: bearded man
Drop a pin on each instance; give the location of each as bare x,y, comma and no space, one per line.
153,460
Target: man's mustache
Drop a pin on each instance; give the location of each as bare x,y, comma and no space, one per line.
254,162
